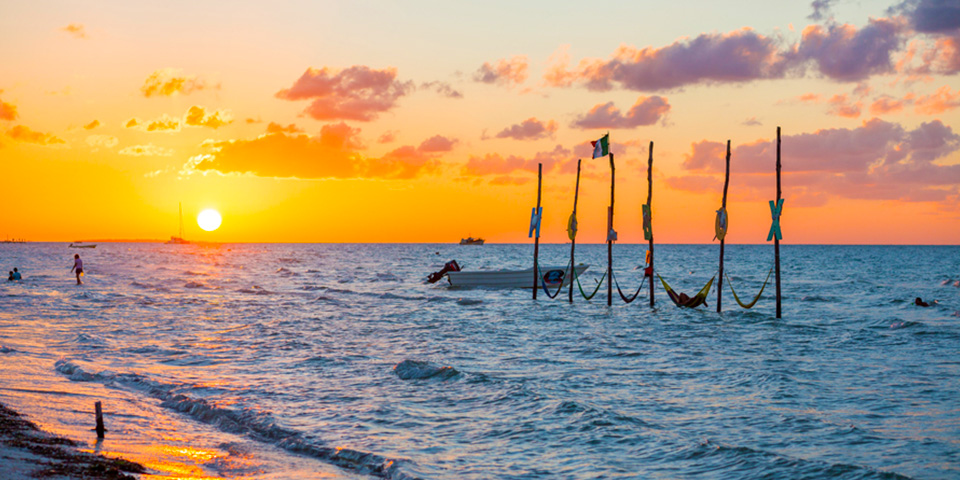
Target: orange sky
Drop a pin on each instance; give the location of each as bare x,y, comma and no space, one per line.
425,121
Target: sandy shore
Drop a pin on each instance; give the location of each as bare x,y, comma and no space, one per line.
28,452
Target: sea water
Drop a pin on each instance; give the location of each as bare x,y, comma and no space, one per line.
304,361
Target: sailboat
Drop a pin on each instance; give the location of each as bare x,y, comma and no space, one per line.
178,240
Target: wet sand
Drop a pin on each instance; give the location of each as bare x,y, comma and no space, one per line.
28,452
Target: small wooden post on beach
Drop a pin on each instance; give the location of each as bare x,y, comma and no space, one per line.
611,234
723,209
536,241
572,231
650,210
776,239
99,428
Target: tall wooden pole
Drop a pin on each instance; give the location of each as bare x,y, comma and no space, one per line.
610,237
650,208
573,241
776,240
99,414
726,183
536,240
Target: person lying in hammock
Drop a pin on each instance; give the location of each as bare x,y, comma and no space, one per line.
685,300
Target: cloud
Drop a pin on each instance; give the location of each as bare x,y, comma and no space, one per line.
197,116
504,72
437,144
843,53
133,122
940,101
24,134
529,129
357,93
148,150
90,126
8,111
331,154
841,106
253,120
886,104
76,30
821,10
163,124
387,137
751,122
102,141
736,57
442,88
168,82
931,16
646,111
559,158
877,160
274,127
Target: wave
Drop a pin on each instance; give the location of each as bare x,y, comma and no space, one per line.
286,272
420,370
251,422
255,290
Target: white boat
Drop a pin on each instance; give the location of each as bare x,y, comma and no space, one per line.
552,277
179,240
82,245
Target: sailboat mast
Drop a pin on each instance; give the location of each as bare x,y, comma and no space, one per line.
180,206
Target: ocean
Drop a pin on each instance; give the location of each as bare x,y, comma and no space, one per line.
337,360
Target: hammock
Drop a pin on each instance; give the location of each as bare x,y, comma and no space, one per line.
594,290
754,302
699,299
635,294
543,282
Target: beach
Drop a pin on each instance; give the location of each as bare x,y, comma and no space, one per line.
285,361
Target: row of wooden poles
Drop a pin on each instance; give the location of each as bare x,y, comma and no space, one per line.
610,239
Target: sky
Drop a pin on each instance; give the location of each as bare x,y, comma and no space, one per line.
423,121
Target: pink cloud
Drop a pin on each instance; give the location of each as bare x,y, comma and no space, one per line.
842,107
495,164
168,82
331,154
844,53
503,72
878,160
940,101
387,137
886,104
357,93
646,111
24,134
529,129
442,88
437,144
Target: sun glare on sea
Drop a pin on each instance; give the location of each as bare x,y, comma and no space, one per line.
209,220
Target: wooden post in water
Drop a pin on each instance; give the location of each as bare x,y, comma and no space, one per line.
610,237
723,207
536,240
99,428
776,240
650,208
573,241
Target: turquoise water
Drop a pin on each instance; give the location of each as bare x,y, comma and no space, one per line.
299,359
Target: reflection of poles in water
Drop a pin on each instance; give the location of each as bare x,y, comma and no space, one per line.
536,241
723,209
572,227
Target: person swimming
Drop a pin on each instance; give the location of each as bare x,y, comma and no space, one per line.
10,277
920,303
16,274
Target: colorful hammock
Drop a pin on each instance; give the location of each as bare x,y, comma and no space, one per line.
594,290
699,299
543,282
635,294
754,302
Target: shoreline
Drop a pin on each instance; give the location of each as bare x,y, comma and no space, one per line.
26,451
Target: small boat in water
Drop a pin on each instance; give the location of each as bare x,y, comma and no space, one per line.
471,241
82,245
549,276
179,240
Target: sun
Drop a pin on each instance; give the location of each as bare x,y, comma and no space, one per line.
209,219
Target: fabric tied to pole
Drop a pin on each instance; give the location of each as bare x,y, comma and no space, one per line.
572,226
720,226
647,223
775,210
535,215
611,233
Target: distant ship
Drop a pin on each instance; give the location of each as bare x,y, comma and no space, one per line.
178,240
80,244
471,241
14,240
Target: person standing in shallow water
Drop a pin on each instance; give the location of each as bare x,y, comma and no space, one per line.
78,266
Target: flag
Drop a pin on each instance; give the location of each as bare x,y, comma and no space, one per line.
601,148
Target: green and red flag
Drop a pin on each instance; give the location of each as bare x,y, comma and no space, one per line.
601,148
